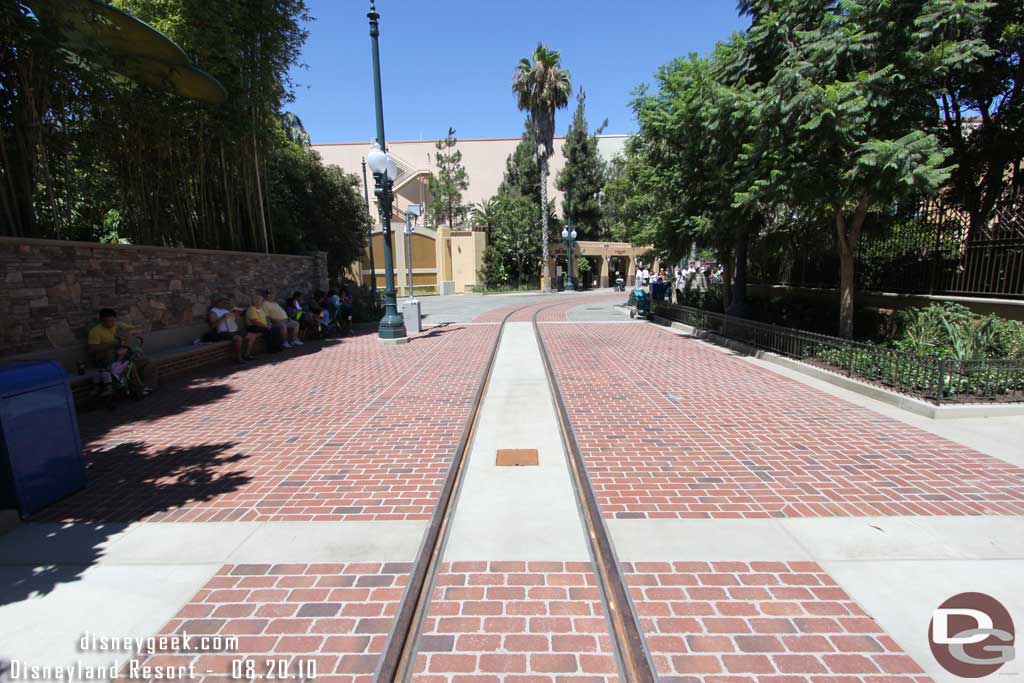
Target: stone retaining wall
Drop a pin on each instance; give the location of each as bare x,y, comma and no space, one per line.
51,290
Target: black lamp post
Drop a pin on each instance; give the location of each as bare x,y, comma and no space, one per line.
569,235
369,237
384,171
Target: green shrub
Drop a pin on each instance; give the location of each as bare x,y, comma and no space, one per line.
951,331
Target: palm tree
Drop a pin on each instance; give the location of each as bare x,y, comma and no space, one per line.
482,214
542,87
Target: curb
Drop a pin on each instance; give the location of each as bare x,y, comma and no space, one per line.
910,404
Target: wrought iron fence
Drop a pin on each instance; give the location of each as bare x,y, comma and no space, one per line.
927,249
935,379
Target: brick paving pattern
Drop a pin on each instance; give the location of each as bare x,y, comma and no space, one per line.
350,430
336,616
672,428
516,622
760,622
552,309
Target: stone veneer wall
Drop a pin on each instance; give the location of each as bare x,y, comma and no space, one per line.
51,290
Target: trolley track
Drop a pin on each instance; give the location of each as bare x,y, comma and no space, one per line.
398,661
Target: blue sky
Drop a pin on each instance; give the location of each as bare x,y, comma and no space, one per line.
450,62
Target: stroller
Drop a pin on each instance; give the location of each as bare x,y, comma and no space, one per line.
335,323
121,380
620,283
642,305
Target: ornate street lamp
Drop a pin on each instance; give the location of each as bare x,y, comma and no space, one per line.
569,235
384,170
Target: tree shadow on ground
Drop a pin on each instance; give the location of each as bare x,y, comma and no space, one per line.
438,330
127,483
181,394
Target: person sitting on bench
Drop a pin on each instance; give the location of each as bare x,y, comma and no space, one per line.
104,340
223,320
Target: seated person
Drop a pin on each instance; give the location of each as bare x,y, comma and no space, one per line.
279,319
296,310
104,340
223,320
332,302
256,322
346,302
345,306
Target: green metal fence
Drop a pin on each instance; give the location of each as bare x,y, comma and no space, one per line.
939,380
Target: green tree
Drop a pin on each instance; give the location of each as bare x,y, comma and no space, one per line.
522,174
79,147
974,52
542,87
584,172
316,207
448,184
841,124
484,214
515,236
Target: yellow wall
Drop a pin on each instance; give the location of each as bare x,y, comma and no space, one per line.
467,258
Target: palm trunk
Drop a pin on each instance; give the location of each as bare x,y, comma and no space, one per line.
545,277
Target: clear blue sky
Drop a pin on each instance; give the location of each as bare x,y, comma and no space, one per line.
450,62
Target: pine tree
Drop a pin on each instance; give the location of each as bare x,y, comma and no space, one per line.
522,174
447,185
584,171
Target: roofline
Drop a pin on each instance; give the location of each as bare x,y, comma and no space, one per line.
403,142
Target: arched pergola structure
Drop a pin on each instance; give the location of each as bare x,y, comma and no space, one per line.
628,254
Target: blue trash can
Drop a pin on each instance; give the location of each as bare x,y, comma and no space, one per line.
41,457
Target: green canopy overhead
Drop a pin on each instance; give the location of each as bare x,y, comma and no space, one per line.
103,35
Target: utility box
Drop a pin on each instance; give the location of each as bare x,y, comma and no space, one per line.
411,316
41,457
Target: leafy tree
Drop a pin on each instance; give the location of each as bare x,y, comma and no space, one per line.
515,236
542,86
447,185
316,207
841,125
677,185
294,130
584,172
87,155
974,52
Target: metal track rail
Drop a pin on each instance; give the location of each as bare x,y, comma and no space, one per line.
397,664
398,661
627,636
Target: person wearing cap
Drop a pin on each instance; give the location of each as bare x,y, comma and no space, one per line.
279,319
223,320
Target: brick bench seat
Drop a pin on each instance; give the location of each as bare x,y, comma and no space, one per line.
169,363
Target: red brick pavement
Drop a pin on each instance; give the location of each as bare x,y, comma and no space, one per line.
762,622
670,427
516,622
334,617
552,308
354,430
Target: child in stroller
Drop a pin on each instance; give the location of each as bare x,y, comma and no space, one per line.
122,377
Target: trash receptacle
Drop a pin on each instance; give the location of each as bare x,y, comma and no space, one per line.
41,457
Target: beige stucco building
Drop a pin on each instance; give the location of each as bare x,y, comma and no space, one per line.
447,259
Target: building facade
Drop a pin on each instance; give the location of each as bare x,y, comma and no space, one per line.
445,258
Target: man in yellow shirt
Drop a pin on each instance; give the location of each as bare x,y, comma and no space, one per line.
256,322
279,319
107,335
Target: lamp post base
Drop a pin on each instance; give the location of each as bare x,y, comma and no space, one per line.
392,326
393,342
